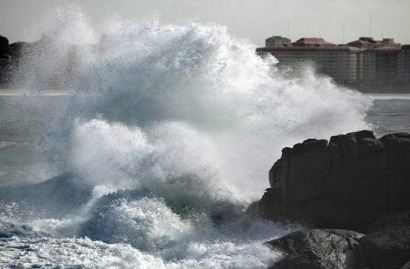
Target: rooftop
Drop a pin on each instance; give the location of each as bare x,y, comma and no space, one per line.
318,43
312,41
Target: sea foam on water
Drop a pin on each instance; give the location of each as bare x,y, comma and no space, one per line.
179,126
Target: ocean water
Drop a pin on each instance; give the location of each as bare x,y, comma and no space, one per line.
390,113
149,158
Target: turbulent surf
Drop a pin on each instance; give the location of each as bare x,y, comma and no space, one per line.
166,135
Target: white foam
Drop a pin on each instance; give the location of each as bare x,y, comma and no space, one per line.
154,77
49,252
185,123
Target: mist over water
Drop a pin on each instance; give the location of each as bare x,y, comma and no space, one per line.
168,134
207,94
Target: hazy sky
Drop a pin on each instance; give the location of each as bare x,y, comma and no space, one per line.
337,21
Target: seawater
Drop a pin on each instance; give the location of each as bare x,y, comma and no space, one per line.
152,154
390,113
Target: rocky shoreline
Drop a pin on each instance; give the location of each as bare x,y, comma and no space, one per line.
352,192
22,64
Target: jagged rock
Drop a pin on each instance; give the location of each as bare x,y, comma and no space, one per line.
348,182
320,249
252,209
387,249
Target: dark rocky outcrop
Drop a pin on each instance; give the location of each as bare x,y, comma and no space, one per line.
4,60
388,248
320,249
354,181
4,47
347,182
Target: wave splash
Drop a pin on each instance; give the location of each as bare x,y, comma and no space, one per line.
169,132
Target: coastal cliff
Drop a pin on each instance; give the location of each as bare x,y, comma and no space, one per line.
353,182
347,182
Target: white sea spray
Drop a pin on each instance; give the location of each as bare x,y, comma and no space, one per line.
169,133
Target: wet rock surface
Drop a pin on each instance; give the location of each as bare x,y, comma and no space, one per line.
387,249
347,182
354,182
320,249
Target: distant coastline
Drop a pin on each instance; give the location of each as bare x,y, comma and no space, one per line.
21,64
366,65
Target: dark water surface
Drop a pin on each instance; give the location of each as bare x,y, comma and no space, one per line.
390,114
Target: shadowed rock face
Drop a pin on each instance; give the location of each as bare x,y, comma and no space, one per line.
4,46
387,246
320,249
387,249
348,182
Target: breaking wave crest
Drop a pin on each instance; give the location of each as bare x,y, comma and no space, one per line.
168,134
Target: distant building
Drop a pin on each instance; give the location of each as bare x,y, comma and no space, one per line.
405,64
366,64
312,42
339,62
277,41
